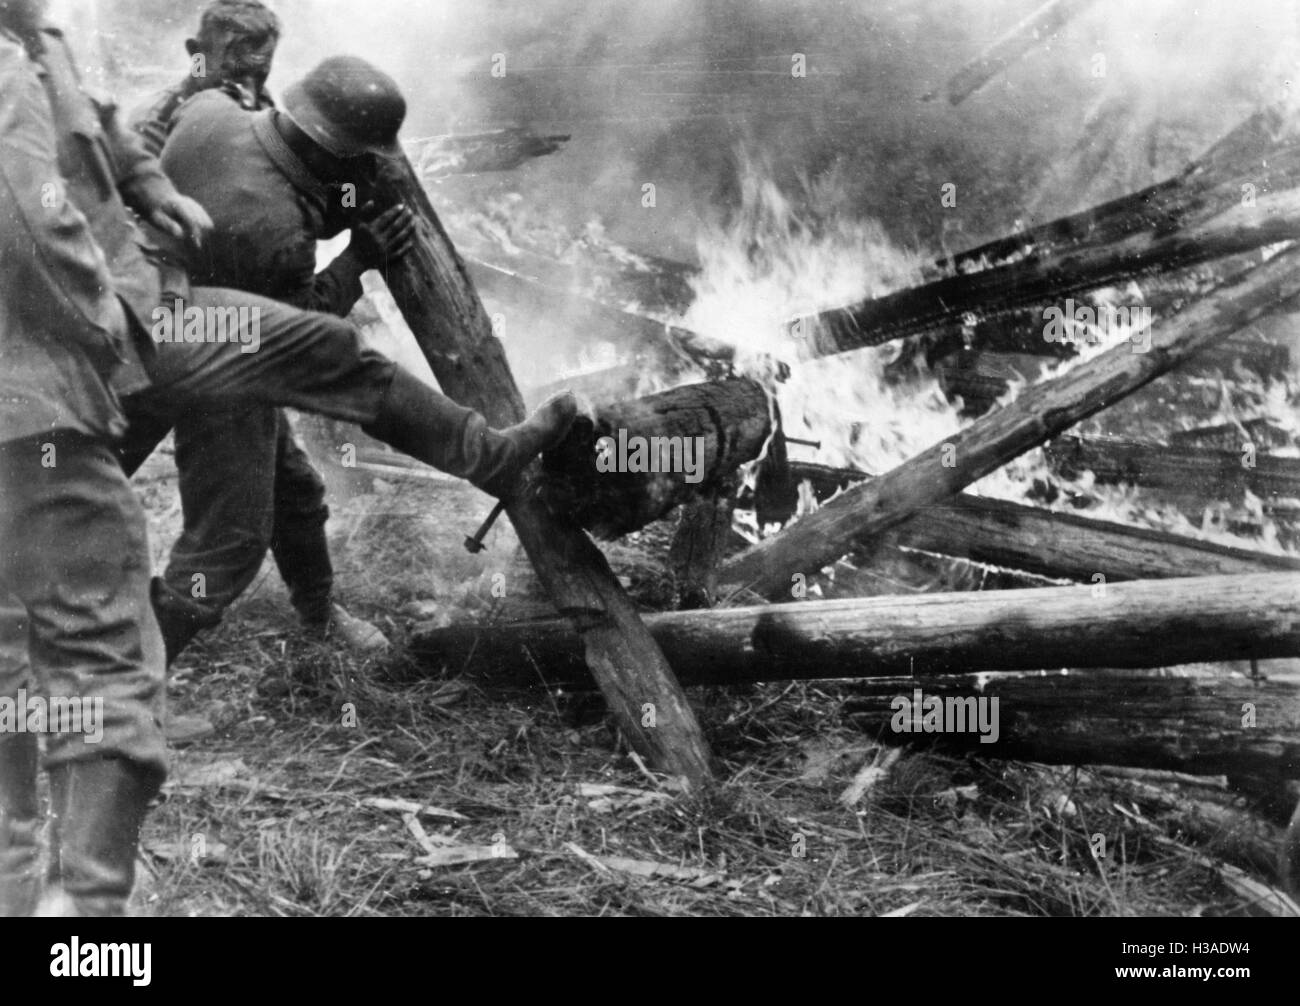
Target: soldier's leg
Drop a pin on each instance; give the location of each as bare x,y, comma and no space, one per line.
298,541
148,423
80,565
225,458
278,355
20,817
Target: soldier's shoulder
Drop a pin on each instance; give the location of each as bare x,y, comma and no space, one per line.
213,103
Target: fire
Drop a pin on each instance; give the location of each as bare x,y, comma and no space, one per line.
776,260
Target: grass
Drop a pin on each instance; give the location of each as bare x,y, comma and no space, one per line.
275,802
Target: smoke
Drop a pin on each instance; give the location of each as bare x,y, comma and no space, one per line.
680,93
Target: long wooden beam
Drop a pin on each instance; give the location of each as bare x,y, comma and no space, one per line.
1144,623
1062,546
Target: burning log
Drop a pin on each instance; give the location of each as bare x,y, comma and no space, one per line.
1053,275
1032,31
1186,220
438,301
1041,412
1256,151
1146,623
1205,474
1062,546
637,460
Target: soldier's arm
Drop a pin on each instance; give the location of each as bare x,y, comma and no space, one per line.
140,177
378,239
337,287
51,263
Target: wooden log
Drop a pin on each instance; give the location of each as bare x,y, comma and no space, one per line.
1258,150
1229,436
699,543
1062,546
1207,474
1039,413
453,330
1052,276
1033,31
638,460
1070,254
1146,623
1184,724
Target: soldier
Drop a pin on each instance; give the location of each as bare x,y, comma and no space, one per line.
73,545
177,346
232,52
245,484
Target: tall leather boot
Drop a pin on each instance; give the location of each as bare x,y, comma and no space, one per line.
430,427
20,825
98,808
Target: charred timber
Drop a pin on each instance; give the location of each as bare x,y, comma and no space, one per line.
1040,413
1190,471
1050,276
636,461
1061,546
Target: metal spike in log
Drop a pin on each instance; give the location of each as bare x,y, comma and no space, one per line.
453,330
1145,623
1062,546
1040,413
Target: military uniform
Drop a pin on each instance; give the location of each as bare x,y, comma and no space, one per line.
246,485
73,547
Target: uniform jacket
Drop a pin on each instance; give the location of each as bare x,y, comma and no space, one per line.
69,249
269,210
153,119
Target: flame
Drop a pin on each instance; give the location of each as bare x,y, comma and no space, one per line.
781,256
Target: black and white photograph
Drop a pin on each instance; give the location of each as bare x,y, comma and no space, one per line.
676,459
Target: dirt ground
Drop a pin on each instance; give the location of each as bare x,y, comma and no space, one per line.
529,803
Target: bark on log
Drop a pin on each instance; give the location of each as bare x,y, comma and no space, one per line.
714,428
1208,474
1141,624
1041,412
1182,724
438,300
698,545
1062,546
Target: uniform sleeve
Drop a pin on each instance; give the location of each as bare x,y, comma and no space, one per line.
337,287
140,177
52,272
152,120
